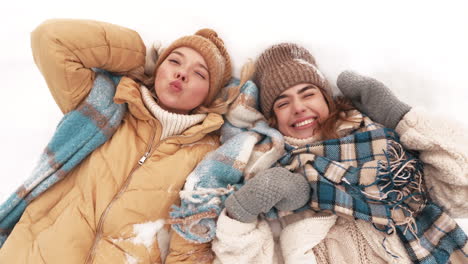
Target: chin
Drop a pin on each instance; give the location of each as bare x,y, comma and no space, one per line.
304,135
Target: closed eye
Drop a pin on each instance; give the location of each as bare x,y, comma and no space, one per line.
174,61
281,104
200,75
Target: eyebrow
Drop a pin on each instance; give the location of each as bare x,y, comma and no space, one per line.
183,56
302,90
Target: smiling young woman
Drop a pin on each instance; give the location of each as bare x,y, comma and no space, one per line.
295,96
339,174
299,110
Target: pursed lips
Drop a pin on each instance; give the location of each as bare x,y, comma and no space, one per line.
176,85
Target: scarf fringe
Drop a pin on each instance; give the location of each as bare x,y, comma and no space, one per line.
400,182
200,195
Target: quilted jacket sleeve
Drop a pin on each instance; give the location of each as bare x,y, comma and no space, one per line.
184,251
443,147
65,50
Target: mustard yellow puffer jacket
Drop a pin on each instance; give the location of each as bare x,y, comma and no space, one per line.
110,208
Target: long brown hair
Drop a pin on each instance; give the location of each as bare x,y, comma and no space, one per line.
336,106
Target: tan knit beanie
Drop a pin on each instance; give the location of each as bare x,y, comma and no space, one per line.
282,66
211,47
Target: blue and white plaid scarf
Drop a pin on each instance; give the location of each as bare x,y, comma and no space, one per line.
368,175
249,145
79,133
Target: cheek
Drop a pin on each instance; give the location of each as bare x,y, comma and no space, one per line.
161,74
325,110
281,120
200,88
320,105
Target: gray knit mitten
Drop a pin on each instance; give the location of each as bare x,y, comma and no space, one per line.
274,187
372,98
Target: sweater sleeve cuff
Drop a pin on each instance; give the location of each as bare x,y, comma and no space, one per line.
301,236
231,226
408,121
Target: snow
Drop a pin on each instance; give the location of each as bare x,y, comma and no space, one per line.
310,65
130,259
146,233
418,48
163,242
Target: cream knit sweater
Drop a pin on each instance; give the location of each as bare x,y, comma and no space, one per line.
172,123
328,239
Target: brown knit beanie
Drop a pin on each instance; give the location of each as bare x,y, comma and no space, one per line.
211,47
282,66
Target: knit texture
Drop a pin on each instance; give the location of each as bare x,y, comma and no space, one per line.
300,236
79,132
281,67
244,134
347,169
252,242
172,123
345,244
275,187
369,176
211,48
373,98
446,169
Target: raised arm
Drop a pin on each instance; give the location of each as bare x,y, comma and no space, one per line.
443,144
65,50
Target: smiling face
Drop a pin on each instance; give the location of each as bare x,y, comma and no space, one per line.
299,110
182,81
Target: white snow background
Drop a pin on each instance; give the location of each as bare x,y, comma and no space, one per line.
418,48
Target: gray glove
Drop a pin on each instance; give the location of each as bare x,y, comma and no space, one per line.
274,187
372,98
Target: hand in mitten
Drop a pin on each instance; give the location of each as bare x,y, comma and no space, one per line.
372,98
274,187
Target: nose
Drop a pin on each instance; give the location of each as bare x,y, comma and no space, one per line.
298,107
181,75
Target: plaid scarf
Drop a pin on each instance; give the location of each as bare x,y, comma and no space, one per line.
79,133
249,145
365,174
368,175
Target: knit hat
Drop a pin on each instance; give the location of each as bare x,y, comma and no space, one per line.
282,66
211,48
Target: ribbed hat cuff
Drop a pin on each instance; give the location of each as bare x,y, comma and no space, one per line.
278,78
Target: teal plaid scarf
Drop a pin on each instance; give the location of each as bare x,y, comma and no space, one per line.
79,133
368,175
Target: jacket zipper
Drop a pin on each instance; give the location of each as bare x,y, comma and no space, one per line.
142,160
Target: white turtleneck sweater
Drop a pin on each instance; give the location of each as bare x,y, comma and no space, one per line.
172,123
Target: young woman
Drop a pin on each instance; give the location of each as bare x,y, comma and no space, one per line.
111,207
337,227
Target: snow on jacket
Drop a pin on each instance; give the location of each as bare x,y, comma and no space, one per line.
111,208
330,239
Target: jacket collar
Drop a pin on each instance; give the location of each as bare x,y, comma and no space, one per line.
128,91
